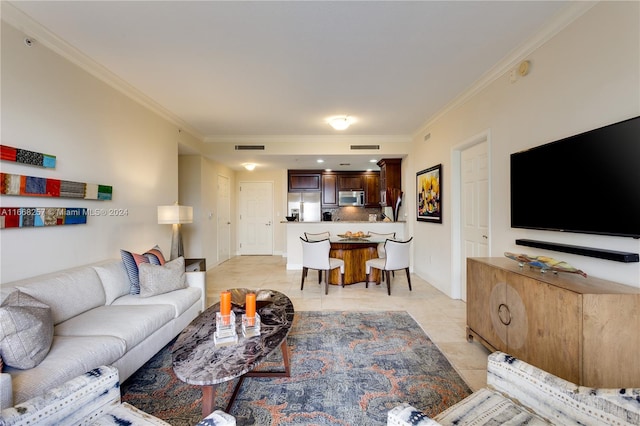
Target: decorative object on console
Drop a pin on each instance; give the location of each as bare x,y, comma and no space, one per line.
175,215
30,217
544,263
429,194
24,156
31,186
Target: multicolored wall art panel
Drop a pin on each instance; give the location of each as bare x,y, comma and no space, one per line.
11,184
23,156
34,217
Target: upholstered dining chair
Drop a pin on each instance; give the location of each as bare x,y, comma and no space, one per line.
317,237
389,236
397,255
315,255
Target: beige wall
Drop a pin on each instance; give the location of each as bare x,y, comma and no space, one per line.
98,135
198,178
585,77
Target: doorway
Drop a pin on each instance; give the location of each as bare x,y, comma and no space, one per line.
224,219
256,218
471,232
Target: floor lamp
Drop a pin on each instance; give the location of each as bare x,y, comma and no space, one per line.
175,215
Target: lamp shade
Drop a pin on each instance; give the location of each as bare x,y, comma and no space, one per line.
168,215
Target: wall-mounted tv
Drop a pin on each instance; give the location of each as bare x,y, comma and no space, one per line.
587,183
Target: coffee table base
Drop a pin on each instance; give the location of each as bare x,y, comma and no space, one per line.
209,392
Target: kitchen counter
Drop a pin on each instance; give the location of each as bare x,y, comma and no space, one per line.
297,230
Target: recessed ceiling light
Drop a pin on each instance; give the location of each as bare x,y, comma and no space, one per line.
249,166
373,160
320,160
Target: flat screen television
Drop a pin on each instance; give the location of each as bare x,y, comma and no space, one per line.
588,183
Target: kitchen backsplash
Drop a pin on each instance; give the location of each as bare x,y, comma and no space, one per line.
354,213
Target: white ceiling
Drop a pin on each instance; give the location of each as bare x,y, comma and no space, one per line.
240,70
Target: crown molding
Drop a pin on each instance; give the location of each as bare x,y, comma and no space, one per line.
18,19
559,22
250,139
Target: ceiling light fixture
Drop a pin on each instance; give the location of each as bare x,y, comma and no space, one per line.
340,123
249,166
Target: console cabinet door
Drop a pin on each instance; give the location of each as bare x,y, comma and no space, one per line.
485,295
545,326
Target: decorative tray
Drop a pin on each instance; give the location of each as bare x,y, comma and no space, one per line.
354,237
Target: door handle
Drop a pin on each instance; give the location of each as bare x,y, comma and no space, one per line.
485,237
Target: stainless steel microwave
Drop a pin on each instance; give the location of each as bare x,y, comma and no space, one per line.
351,198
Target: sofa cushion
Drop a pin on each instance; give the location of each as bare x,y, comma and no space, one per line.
488,407
26,330
130,323
68,293
127,414
159,279
68,357
181,300
114,280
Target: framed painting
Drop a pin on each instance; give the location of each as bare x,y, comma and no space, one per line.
429,194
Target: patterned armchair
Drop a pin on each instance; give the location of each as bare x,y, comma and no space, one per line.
519,393
92,398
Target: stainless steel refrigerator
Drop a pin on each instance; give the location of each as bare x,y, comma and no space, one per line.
307,204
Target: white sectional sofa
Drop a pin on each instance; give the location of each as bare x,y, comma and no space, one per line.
97,322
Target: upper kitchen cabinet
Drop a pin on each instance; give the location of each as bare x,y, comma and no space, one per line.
304,180
329,190
390,176
371,182
350,182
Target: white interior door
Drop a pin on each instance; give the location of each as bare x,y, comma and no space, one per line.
256,218
224,219
475,208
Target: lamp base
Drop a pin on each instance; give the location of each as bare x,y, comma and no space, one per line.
177,249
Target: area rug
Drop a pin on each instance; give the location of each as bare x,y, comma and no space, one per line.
347,368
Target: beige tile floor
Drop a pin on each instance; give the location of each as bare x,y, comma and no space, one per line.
442,318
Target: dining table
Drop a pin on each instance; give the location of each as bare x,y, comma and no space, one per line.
354,251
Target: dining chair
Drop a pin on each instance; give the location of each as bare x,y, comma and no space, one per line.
396,257
376,235
317,237
315,255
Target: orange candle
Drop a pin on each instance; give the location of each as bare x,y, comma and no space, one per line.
225,303
250,305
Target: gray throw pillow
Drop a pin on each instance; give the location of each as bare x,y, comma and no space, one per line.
26,330
159,279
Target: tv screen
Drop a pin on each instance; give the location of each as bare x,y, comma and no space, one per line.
587,183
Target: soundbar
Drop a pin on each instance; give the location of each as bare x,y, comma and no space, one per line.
618,256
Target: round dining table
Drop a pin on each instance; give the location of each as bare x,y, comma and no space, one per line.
355,251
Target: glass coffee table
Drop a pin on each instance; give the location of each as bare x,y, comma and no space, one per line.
198,361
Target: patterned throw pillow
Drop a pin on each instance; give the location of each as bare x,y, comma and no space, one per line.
132,263
160,279
26,330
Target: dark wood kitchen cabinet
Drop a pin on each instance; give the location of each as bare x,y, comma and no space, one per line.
329,190
371,183
350,182
390,176
304,180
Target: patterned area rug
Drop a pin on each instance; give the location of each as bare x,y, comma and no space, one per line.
347,368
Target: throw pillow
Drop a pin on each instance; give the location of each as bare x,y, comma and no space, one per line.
155,256
26,330
159,279
132,262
